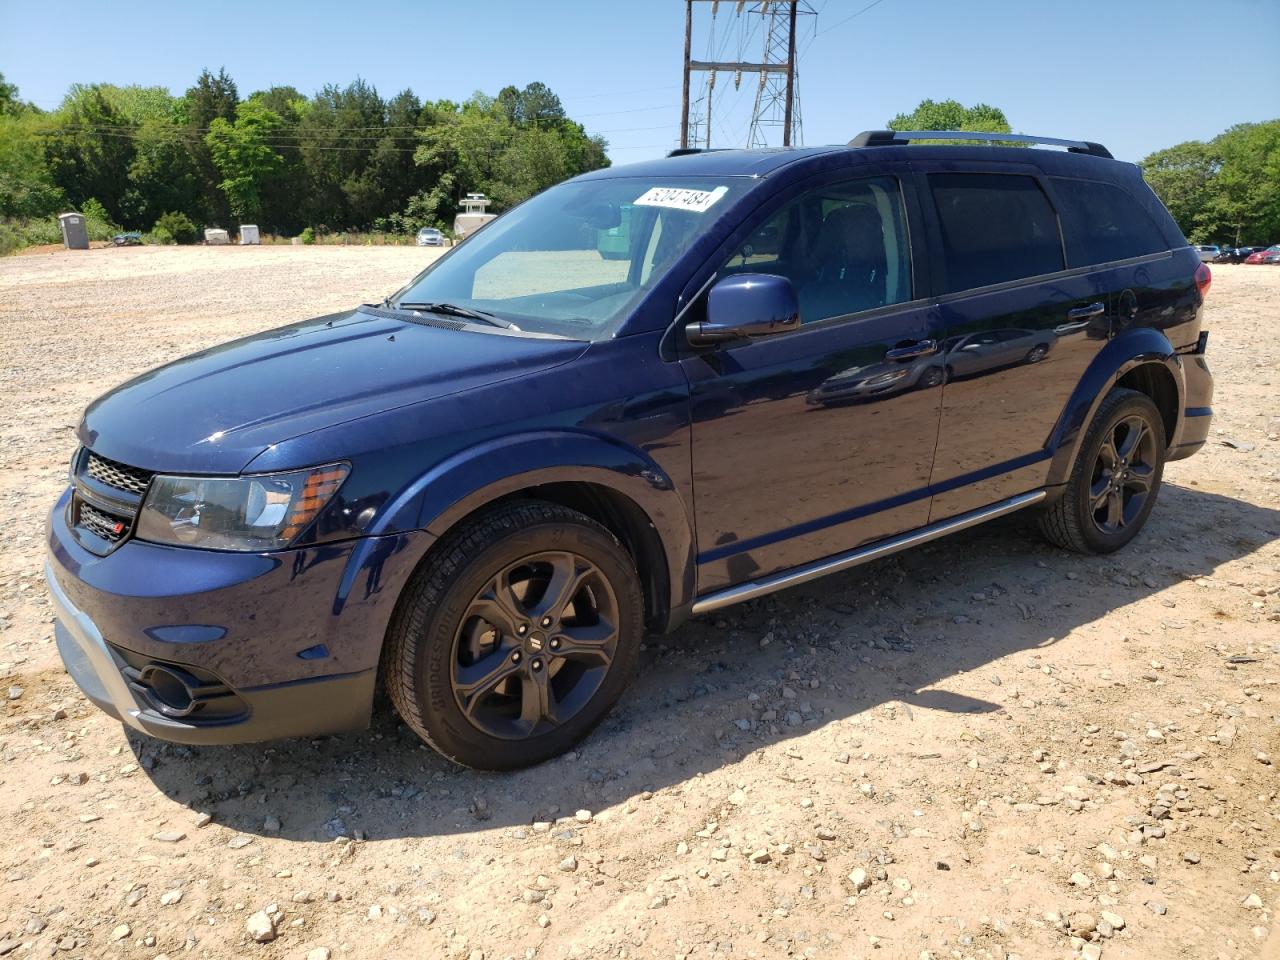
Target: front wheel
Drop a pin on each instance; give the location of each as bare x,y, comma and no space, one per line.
1115,480
516,637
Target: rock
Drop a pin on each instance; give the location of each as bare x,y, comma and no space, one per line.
319,953
1080,880
16,692
658,901
859,878
120,932
203,820
1252,902
1104,870
569,864
170,897
1083,923
1114,919
170,836
759,856
1156,907
261,927
1091,951
271,824
1191,857
582,816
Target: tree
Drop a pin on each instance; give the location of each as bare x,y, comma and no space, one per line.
244,155
952,115
1226,190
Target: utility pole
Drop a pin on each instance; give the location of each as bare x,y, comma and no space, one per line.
777,97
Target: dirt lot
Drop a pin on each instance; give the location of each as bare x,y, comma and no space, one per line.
974,750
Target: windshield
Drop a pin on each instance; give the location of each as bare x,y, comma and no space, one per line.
575,259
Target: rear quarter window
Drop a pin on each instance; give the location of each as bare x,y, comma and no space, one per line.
995,228
1103,222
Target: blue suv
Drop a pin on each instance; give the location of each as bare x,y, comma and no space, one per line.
647,393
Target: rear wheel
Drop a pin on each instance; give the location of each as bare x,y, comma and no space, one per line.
516,637
1116,477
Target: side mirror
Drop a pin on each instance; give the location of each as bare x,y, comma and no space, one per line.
745,306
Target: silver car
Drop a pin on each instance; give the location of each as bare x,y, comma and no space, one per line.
430,237
1207,251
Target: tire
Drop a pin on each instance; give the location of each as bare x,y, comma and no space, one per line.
554,685
1037,353
1101,510
933,377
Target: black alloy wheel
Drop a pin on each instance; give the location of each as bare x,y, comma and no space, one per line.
534,646
1123,473
515,636
1115,479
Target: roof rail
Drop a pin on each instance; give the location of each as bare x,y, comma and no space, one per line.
885,138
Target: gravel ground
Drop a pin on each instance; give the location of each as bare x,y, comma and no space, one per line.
984,748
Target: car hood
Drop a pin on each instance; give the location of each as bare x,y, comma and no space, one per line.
215,411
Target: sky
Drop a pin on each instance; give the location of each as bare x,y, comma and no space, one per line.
1135,75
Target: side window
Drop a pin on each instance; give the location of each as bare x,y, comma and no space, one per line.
843,247
1102,222
995,227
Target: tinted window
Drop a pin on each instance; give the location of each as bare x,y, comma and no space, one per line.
843,247
1102,222
995,227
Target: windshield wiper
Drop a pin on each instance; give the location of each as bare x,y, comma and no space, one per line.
452,309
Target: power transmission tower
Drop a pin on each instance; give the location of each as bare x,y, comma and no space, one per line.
777,96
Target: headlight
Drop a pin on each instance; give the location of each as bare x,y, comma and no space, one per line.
265,512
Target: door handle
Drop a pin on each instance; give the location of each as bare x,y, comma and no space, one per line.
1086,313
918,349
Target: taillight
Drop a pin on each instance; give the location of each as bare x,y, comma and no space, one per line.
1204,277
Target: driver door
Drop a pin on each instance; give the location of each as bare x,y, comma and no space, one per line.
812,442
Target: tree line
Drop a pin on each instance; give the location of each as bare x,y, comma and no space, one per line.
343,159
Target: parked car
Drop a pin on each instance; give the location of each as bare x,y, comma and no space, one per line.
1267,255
482,492
1225,255
430,237
130,239
1208,252
1240,254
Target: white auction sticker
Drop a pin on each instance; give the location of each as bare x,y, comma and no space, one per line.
697,201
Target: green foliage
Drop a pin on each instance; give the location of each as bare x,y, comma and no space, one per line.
177,226
244,155
307,236
160,237
952,115
1223,191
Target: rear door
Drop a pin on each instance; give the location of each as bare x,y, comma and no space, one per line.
1028,327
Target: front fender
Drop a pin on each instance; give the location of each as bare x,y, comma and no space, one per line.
481,474
1127,350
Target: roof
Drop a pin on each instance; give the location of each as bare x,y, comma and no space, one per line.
716,163
762,163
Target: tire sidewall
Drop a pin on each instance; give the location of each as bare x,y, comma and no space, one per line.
451,733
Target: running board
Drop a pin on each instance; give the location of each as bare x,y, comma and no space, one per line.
820,568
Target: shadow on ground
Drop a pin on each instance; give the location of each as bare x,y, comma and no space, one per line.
888,632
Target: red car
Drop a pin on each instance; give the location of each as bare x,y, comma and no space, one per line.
1269,255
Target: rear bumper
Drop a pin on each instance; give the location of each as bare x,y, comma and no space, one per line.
1197,414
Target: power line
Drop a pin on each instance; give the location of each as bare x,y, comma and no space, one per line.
841,23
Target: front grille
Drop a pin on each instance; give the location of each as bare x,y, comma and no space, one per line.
117,475
103,525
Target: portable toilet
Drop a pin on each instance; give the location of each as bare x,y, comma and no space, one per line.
249,234
75,233
216,236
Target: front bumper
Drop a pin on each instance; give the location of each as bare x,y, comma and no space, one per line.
207,647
